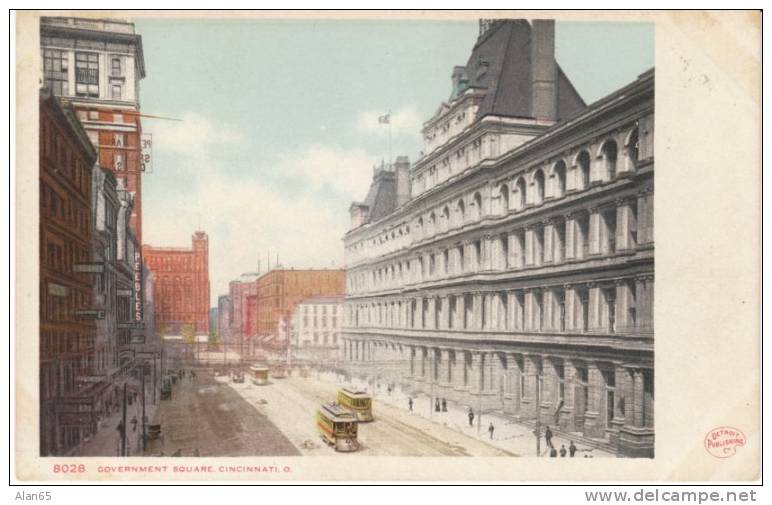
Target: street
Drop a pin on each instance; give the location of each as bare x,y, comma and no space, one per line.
291,404
207,418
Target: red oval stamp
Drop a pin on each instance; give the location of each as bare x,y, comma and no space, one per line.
722,442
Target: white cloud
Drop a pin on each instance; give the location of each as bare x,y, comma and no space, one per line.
404,121
248,215
194,136
245,221
321,166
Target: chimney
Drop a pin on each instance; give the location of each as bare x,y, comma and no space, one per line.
544,84
402,169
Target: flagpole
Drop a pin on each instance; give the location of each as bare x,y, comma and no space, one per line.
389,116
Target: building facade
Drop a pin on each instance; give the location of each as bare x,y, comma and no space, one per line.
316,329
97,65
241,325
181,286
223,318
280,290
68,362
516,273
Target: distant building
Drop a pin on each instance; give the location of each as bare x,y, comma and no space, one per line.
280,290
181,291
223,318
315,331
69,385
213,321
242,325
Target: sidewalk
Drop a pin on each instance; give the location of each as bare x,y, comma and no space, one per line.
106,441
508,434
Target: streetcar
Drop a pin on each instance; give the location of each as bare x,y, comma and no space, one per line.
259,375
279,371
337,427
358,403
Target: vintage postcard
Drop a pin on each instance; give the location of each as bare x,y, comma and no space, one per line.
387,246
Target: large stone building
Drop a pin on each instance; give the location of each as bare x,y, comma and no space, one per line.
69,387
280,290
511,268
181,286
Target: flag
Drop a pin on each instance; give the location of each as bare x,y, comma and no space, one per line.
385,119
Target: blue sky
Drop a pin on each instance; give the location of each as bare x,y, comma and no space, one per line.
280,132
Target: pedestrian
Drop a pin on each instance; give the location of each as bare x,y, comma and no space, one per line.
196,453
134,423
410,404
444,405
471,417
436,404
553,453
562,451
490,430
388,389
548,436
571,449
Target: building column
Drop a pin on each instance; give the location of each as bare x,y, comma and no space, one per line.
567,421
531,365
595,226
549,232
644,304
594,309
570,237
593,425
548,398
529,246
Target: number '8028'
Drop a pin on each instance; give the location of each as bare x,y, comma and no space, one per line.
70,468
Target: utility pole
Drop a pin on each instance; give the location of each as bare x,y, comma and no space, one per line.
537,430
143,406
434,357
123,423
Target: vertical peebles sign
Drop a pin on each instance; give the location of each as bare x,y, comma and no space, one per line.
146,160
137,287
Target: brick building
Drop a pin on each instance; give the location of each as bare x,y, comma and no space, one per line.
511,267
181,285
239,320
68,393
280,290
96,65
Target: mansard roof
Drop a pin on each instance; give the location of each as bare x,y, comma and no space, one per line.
500,64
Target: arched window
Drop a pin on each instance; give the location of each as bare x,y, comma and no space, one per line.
583,165
430,230
609,153
444,219
560,179
476,207
633,148
520,194
503,200
460,213
420,227
538,182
